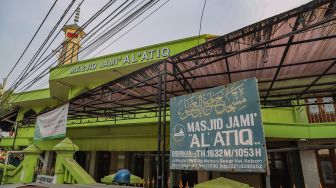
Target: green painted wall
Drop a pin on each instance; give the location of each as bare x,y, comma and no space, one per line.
31,96
34,100
144,137
277,115
300,131
141,134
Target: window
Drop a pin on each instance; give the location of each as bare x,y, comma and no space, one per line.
327,172
313,109
328,108
276,161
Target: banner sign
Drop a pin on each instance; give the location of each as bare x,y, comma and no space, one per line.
218,129
52,124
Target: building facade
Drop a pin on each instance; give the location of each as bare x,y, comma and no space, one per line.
300,136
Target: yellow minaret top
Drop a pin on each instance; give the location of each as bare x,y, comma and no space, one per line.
71,43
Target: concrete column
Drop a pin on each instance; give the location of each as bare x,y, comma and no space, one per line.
92,168
121,160
309,168
127,161
202,176
171,175
147,166
47,162
29,163
65,149
177,176
87,161
114,162
295,169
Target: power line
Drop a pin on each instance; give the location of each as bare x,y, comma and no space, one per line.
145,18
24,88
87,39
200,24
31,40
121,25
42,75
109,28
15,85
49,57
58,33
24,72
132,27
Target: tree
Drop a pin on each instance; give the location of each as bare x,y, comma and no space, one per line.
5,106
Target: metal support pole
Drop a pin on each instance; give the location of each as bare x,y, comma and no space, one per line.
171,178
4,173
268,181
16,131
267,175
158,171
164,175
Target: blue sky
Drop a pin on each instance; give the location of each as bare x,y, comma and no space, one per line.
177,19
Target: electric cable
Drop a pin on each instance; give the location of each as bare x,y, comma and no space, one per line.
132,28
42,75
15,85
37,78
108,28
122,24
87,39
200,24
31,40
86,24
23,73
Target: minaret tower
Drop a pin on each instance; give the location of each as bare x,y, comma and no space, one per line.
71,43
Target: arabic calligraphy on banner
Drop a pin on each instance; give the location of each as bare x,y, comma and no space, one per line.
219,101
218,129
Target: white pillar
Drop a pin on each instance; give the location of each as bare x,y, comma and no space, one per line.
147,166
47,162
92,168
87,161
114,162
121,160
309,169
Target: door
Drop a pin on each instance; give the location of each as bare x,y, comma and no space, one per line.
103,168
327,167
279,170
